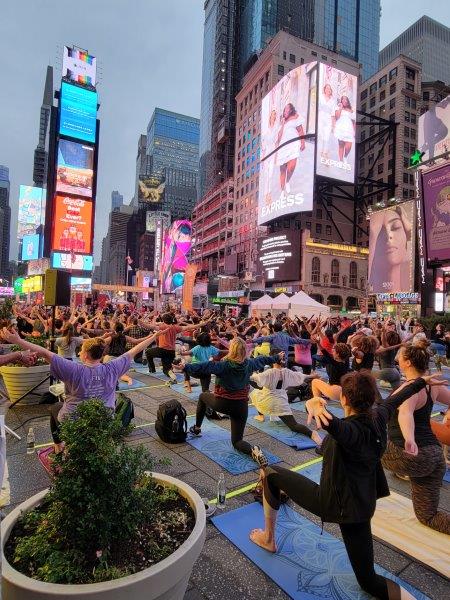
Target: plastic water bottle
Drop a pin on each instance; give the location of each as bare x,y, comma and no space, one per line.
30,441
221,492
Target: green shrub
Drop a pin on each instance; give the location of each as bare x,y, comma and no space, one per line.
429,323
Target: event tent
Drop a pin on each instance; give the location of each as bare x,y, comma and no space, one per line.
281,302
303,305
262,304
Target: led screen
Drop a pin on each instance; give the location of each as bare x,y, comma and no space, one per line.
79,66
286,178
31,210
433,134
152,218
336,124
391,249
279,256
72,225
78,112
75,168
177,243
81,283
38,267
77,262
436,208
31,245
151,189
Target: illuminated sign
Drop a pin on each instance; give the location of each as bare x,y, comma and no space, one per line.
81,283
72,224
279,256
31,210
37,267
75,168
420,228
218,300
76,262
399,298
416,158
232,294
433,133
31,247
439,302
32,284
436,209
79,66
6,291
151,189
338,247
176,246
78,117
18,285
153,216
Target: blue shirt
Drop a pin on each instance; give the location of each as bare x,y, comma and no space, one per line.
203,353
281,341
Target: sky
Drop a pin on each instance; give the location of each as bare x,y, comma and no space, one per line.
149,53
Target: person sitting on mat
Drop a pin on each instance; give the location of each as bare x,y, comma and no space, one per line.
82,381
337,366
352,476
272,398
230,395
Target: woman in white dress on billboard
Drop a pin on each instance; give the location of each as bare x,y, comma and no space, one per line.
326,118
291,128
345,128
269,145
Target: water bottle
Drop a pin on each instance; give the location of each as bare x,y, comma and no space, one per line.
30,441
175,425
221,491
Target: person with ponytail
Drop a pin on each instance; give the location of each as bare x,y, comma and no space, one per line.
68,342
413,450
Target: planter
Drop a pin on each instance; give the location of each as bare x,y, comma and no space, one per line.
19,380
167,580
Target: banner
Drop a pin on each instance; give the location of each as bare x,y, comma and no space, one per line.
436,202
188,287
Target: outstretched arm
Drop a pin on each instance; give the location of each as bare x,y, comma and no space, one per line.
142,345
14,338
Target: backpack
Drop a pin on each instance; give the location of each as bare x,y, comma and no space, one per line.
171,423
124,410
303,392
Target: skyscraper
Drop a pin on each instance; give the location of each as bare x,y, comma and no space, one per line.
116,200
428,43
41,151
5,222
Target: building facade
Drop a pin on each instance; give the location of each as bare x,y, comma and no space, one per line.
41,152
5,222
113,267
427,42
116,200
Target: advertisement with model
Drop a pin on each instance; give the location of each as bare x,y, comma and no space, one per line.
433,133
176,247
436,203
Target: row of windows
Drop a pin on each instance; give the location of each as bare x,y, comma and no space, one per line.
351,281
263,83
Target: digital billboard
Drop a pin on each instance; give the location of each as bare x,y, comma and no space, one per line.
78,112
177,243
151,188
152,218
31,210
279,256
31,247
436,208
82,284
75,168
336,124
72,224
38,267
77,262
392,249
286,179
433,134
79,66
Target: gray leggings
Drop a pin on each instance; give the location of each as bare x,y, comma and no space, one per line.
390,374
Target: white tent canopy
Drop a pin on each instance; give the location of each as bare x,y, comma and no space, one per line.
261,304
281,302
303,305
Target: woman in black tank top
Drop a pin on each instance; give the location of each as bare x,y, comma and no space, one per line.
413,450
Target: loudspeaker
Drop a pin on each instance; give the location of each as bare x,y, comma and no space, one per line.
57,288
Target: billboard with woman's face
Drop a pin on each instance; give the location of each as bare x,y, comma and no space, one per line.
288,113
336,124
391,249
177,244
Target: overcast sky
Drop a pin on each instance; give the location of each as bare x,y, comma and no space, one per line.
149,53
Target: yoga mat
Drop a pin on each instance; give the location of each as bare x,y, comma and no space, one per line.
44,457
160,375
196,391
124,387
334,409
447,475
280,431
215,443
309,564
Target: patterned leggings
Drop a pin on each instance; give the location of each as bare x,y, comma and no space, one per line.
426,471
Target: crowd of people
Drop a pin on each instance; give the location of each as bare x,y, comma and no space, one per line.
271,361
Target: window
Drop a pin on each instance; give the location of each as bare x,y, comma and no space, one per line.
406,132
372,102
373,88
315,270
407,101
410,87
383,80
392,88
324,57
392,103
382,110
319,213
344,281
407,116
328,230
292,58
405,193
284,55
410,73
318,228
413,103
413,118
426,96
334,272
313,53
392,73
405,162
380,168
280,70
405,178
413,134
363,107
308,225
364,94
325,278
392,117
406,147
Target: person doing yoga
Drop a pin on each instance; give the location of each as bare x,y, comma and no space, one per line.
352,476
230,395
337,365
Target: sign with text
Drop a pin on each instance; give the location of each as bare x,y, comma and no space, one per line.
72,225
436,206
279,256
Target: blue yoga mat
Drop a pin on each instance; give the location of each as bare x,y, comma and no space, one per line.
215,443
160,375
280,431
196,391
447,475
309,564
334,409
124,387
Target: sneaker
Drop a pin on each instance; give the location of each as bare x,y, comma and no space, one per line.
259,457
195,431
384,384
172,376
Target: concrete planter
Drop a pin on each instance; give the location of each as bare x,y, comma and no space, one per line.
166,580
19,380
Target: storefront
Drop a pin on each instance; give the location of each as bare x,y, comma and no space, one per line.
234,302
402,304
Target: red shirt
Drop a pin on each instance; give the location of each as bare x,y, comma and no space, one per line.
167,339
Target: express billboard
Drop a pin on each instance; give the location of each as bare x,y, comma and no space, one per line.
176,247
392,249
279,256
78,112
31,209
79,66
433,134
336,124
288,113
72,224
75,168
77,262
436,205
152,218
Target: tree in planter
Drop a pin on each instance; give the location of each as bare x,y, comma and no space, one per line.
104,516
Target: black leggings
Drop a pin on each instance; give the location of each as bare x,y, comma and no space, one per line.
237,410
167,357
357,536
294,425
205,381
54,423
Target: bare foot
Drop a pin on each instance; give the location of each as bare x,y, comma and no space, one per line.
260,537
316,438
188,387
126,380
259,418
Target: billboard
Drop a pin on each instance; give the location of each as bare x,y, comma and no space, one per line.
31,247
153,216
286,179
436,208
75,168
177,243
31,209
78,112
336,124
72,224
151,188
433,135
392,249
77,262
82,284
79,66
279,256
38,267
